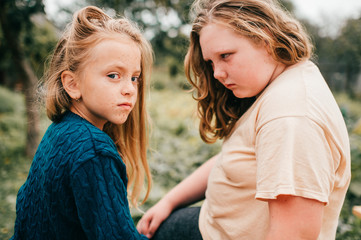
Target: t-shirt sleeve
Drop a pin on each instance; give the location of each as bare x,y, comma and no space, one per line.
101,199
293,158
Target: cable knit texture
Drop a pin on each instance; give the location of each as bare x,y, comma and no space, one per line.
76,188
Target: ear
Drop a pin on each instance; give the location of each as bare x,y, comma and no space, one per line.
71,84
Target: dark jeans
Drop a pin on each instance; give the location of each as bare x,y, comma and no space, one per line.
182,224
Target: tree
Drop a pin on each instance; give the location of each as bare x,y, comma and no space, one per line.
348,52
163,20
16,27
324,56
170,41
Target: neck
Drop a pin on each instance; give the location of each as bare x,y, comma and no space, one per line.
280,68
76,110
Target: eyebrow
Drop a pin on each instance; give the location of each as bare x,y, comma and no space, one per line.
218,52
122,67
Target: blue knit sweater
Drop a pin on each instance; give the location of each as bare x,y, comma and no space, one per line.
76,188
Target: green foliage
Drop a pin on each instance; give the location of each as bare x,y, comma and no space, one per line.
164,79
12,126
168,39
13,164
288,5
349,225
177,149
13,173
348,47
25,35
7,101
40,46
340,54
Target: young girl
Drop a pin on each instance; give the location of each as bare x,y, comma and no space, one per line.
95,149
284,167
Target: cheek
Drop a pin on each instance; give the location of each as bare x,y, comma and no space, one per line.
138,91
246,76
104,95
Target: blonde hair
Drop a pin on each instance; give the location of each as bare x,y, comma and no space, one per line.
258,20
89,27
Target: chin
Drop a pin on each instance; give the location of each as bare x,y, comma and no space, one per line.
121,122
118,121
241,95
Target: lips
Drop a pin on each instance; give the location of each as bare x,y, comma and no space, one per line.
229,85
126,105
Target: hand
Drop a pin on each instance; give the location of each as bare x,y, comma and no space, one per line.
152,219
184,194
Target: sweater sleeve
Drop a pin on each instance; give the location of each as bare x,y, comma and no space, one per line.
101,199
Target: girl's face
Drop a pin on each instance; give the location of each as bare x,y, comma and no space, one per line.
108,82
239,64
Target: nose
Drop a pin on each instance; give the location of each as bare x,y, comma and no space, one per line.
219,73
128,87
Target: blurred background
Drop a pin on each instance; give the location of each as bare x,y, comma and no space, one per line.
29,30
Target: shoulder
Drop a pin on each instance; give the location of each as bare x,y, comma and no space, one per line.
293,86
294,93
76,136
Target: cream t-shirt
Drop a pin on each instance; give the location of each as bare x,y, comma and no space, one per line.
293,140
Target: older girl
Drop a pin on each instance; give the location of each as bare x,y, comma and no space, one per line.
284,167
95,149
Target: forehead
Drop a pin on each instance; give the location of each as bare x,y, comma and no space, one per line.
116,51
214,38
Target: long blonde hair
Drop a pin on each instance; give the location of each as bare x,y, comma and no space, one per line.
91,25
258,20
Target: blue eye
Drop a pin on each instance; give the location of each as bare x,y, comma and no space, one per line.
113,76
135,79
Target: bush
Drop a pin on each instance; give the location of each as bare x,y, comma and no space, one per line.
349,225
8,101
12,125
14,166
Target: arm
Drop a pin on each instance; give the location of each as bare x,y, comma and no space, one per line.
294,217
101,198
190,190
299,163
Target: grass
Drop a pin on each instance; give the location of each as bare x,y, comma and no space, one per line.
14,166
12,176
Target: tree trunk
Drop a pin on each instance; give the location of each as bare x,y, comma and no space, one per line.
26,75
32,110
